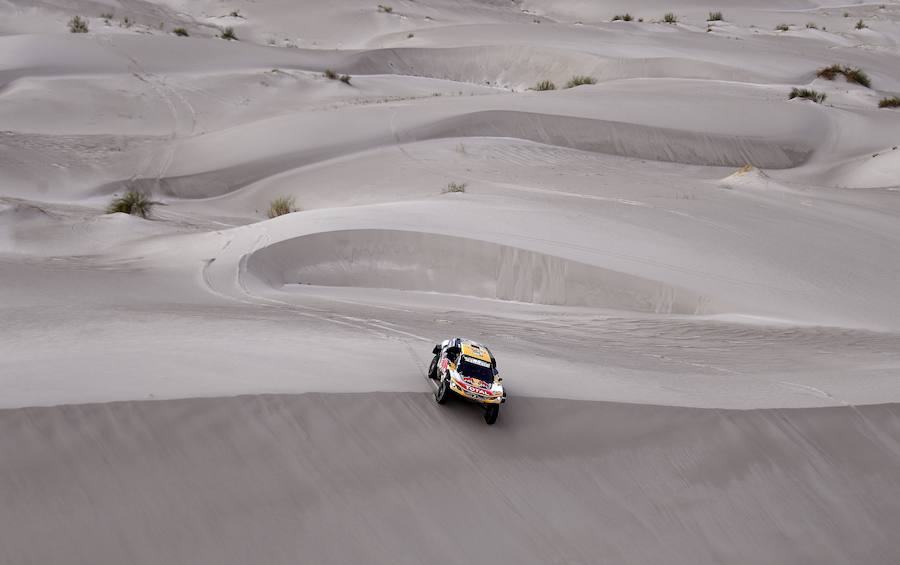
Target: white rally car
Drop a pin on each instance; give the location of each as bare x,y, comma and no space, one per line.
466,369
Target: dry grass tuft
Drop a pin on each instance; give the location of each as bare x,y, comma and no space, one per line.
281,206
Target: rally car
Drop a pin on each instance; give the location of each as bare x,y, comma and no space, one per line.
463,368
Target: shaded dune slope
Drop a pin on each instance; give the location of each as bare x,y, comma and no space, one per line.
280,150
354,478
440,263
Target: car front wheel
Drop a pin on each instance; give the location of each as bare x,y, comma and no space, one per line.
491,412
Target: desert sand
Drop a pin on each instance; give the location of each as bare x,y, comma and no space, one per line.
690,282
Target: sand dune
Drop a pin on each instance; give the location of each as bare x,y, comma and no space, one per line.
380,478
688,279
417,261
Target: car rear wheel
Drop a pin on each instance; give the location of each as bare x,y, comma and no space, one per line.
442,394
491,412
432,369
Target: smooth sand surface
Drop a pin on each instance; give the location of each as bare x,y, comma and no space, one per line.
387,478
689,281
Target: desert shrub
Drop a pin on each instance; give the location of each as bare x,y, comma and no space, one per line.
855,76
624,18
281,206
830,72
78,25
861,25
782,27
714,17
670,18
579,80
228,33
132,202
235,14
846,14
330,74
812,25
345,79
107,15
892,102
126,22
455,187
545,85
410,35
808,94
180,31
385,9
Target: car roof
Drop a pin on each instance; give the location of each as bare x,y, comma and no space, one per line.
476,350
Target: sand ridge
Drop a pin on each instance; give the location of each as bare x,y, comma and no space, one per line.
688,279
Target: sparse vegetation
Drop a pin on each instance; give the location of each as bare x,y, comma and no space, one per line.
808,94
855,76
410,35
812,25
623,18
544,85
78,25
892,102
829,73
281,206
235,14
132,202
579,80
782,27
126,22
332,75
861,25
846,14
670,18
228,33
180,32
385,9
455,187
715,17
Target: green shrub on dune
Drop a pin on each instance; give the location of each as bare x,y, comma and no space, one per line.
132,202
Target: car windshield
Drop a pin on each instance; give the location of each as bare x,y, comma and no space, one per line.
476,369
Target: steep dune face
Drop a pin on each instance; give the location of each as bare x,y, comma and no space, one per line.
436,263
379,478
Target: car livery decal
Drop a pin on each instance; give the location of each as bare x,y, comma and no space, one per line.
476,361
475,390
476,351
